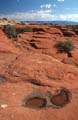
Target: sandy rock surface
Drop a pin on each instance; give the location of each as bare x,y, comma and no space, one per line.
31,67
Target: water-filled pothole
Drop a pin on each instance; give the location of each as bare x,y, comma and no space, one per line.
35,102
62,97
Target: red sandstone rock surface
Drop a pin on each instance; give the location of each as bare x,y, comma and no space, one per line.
31,63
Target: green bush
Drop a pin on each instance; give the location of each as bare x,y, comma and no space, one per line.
21,30
65,46
10,30
73,27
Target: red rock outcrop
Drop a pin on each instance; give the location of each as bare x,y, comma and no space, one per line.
31,66
67,31
39,41
30,72
6,44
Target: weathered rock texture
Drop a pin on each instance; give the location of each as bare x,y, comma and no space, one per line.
31,65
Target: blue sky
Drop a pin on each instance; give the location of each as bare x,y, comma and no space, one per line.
40,9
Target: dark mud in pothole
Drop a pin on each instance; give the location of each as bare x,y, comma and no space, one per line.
62,98
59,100
2,79
35,102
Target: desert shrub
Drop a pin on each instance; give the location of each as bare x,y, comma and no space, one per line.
10,30
4,18
38,30
73,27
21,30
65,46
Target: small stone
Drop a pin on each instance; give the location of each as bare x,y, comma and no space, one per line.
4,106
14,94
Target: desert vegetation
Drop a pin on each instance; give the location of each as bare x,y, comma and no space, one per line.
22,30
65,46
36,75
10,30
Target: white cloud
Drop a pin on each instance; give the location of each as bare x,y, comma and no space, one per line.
70,17
41,15
60,0
46,6
33,15
54,5
76,8
44,11
66,17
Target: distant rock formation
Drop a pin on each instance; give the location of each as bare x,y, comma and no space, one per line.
5,21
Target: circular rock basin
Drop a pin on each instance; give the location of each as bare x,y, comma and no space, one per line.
61,99
35,102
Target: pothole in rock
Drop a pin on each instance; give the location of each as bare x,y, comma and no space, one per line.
38,100
2,79
35,102
62,97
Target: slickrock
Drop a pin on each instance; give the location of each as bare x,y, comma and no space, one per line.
36,81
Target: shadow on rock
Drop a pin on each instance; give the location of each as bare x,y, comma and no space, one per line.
2,79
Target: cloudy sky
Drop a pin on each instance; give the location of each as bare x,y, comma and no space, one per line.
40,9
